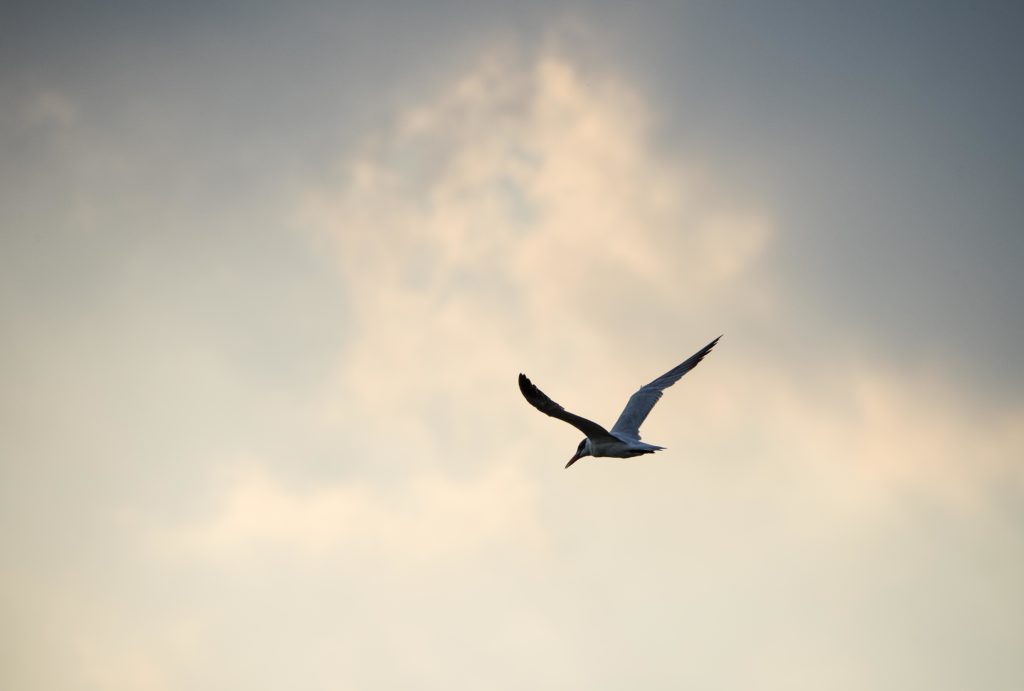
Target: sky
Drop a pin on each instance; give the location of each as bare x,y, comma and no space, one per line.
268,275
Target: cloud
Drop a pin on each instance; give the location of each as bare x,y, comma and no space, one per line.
49,107
427,517
523,210
525,214
868,439
411,520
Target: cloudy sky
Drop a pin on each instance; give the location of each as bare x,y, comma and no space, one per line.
268,274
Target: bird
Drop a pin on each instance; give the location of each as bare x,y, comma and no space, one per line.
623,440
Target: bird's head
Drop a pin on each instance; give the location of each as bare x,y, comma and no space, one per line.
582,450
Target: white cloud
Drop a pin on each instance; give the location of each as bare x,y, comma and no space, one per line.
426,517
518,212
866,440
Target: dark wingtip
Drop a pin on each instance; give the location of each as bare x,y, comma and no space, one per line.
527,388
699,356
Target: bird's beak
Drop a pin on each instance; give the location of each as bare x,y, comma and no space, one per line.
575,457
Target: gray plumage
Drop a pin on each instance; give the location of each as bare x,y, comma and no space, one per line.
642,402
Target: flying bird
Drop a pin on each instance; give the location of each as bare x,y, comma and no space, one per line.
623,441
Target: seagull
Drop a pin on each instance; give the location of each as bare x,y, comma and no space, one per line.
623,441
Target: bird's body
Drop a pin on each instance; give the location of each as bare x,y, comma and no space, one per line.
621,448
623,440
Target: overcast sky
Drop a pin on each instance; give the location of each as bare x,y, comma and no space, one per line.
268,275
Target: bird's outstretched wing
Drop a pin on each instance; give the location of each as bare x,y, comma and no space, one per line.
641,403
539,400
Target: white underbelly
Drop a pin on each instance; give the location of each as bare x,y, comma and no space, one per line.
621,449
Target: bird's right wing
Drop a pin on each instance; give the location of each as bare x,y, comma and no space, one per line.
641,403
539,400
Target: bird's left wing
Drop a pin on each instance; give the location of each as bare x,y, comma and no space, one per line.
641,403
539,400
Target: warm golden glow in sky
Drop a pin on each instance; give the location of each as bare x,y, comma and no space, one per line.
262,428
